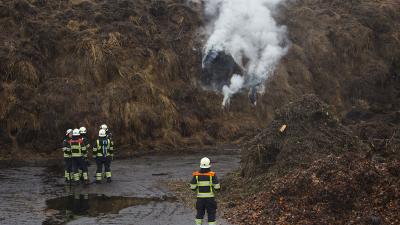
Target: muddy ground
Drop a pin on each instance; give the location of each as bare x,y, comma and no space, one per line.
137,195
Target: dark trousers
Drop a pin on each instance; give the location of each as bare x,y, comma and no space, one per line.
209,205
77,164
106,162
82,165
68,168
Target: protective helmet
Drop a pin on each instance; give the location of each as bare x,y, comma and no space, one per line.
104,127
82,130
69,131
102,133
205,163
75,132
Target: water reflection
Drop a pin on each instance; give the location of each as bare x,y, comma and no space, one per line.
67,208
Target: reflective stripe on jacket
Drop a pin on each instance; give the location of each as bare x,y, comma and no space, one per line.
205,184
85,146
76,147
66,148
103,147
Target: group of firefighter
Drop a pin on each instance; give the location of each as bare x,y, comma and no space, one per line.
76,145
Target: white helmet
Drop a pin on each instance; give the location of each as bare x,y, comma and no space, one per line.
69,131
104,127
75,132
205,163
102,133
82,130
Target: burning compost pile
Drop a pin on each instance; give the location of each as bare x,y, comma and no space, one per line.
336,161
129,64
244,44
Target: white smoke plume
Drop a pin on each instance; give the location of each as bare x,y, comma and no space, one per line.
246,30
237,82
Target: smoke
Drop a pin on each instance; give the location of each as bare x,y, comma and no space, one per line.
235,86
247,31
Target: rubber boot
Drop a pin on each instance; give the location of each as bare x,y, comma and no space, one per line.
98,178
108,175
85,178
76,179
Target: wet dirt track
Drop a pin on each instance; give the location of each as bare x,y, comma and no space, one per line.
37,195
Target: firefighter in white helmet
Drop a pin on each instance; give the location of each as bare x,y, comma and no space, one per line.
78,162
86,143
67,156
205,182
108,132
103,152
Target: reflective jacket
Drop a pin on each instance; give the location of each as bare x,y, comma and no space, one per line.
103,147
205,182
85,145
76,144
66,148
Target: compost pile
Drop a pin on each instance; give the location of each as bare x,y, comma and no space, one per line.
136,66
133,65
316,171
312,131
332,190
337,160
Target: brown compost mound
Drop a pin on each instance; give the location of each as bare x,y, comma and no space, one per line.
345,52
345,189
135,65
130,64
312,132
317,171
337,161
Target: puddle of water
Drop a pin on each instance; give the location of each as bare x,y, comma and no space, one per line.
64,209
